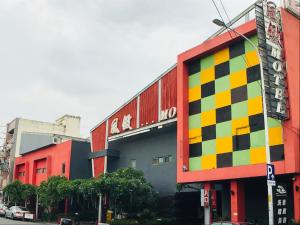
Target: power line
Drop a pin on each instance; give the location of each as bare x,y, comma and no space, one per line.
221,17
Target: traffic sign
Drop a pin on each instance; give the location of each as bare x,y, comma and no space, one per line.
271,174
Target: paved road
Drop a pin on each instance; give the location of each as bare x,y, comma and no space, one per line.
4,221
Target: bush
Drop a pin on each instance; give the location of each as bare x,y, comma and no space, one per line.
124,222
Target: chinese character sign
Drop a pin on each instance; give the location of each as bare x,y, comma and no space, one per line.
280,204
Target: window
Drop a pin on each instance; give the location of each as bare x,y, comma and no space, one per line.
21,174
41,170
133,163
63,168
161,160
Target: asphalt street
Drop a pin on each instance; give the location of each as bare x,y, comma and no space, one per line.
4,221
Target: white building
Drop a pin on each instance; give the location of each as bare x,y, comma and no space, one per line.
65,126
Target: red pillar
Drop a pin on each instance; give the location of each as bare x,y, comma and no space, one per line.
237,201
296,184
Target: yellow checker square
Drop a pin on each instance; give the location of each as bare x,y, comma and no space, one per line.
208,162
251,58
238,79
240,126
222,56
224,145
255,106
195,140
207,75
196,132
258,155
275,136
223,99
208,118
194,94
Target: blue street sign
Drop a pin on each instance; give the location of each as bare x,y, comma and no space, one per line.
271,174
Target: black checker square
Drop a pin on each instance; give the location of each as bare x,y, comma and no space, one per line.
195,150
208,89
253,74
208,132
277,153
222,69
223,114
224,160
236,49
239,94
256,122
241,142
195,107
194,67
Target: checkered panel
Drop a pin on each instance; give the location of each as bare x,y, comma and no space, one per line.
226,124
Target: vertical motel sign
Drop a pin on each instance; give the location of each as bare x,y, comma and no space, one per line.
271,48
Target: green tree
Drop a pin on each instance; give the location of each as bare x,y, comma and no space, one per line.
128,190
49,193
28,192
14,192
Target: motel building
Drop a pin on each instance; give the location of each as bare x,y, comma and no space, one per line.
201,124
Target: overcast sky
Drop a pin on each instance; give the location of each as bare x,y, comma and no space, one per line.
86,58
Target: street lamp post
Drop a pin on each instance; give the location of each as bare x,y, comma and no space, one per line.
268,158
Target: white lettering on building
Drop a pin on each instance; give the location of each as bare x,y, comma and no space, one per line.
126,122
168,113
114,126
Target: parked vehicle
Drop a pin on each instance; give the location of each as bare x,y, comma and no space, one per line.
16,212
3,208
65,221
231,223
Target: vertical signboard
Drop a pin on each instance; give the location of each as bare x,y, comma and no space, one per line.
280,204
269,32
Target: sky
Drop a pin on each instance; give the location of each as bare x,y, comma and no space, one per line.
87,58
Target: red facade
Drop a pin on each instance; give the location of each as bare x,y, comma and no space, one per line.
149,106
98,144
169,89
129,109
144,110
37,166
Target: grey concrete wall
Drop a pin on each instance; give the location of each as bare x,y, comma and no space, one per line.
33,141
143,148
80,166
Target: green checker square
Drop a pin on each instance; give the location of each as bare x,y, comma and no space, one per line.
248,46
241,158
209,147
254,89
236,64
257,139
224,129
273,122
222,84
195,163
194,80
195,121
208,103
207,62
239,110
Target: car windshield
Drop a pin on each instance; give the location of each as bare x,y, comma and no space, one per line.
21,208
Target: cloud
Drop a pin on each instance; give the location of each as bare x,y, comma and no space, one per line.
89,57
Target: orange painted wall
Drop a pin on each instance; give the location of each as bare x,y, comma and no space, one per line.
291,32
50,158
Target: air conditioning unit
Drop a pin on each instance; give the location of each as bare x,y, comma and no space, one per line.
56,140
